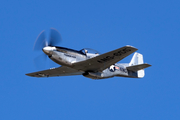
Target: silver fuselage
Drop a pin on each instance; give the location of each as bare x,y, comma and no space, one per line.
66,57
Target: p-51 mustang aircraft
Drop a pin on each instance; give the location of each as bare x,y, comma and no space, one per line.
88,64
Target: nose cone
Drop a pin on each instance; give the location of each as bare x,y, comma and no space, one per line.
48,50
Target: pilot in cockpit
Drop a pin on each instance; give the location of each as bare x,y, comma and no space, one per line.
86,51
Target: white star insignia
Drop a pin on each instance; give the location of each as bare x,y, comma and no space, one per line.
112,68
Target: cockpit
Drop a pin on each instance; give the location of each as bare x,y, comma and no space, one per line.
90,52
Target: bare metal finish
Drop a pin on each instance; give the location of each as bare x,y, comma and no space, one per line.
91,65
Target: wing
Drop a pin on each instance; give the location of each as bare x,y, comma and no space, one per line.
60,71
101,62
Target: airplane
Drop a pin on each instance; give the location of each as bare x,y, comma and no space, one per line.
89,64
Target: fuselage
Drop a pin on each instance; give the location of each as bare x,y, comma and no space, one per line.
66,57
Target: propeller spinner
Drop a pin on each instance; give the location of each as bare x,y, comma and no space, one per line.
48,50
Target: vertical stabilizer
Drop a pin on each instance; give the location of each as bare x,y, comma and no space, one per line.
136,60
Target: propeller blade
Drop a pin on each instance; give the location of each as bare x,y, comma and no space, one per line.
55,37
40,41
40,61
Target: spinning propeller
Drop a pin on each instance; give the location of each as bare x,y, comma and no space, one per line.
41,41
47,46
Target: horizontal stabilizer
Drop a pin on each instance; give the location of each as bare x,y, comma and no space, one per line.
138,67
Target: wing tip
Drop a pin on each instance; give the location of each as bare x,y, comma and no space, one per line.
28,74
131,47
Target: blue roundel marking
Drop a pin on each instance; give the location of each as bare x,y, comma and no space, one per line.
113,68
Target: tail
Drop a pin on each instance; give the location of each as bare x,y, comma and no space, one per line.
137,65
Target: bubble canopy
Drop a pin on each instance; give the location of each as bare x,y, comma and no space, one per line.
89,50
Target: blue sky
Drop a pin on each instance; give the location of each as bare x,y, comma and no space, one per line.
151,26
